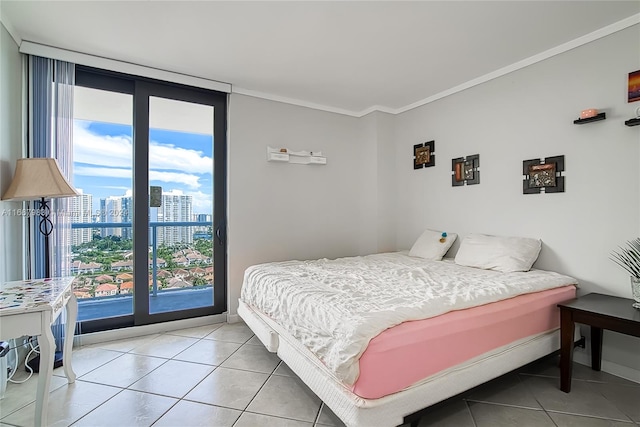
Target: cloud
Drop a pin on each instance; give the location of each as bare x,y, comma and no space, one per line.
117,151
166,156
202,202
189,180
97,171
114,187
102,150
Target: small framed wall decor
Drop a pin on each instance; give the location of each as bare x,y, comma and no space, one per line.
543,175
633,87
423,155
465,170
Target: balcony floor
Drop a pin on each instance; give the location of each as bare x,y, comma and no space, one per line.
122,305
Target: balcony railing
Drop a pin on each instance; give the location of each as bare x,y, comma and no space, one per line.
153,226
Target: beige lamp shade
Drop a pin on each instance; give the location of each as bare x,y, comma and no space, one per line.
36,178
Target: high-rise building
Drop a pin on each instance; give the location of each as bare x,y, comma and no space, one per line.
202,217
202,231
127,216
176,207
116,209
80,212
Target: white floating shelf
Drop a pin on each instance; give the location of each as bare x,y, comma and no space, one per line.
277,157
295,157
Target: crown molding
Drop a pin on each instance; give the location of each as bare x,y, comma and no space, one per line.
565,47
6,23
580,41
313,105
293,101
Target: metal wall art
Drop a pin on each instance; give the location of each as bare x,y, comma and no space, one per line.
633,92
424,156
465,170
543,174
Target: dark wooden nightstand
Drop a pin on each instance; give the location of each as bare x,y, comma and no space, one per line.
600,312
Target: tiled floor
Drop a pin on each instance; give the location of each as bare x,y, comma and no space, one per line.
220,375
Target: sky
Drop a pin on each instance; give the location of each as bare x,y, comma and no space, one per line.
179,162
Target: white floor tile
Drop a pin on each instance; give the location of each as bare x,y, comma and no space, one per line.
128,408
197,332
18,395
210,352
79,399
566,420
173,379
584,399
127,344
124,371
165,346
86,359
231,332
255,341
284,370
288,398
248,419
231,388
328,418
193,414
252,358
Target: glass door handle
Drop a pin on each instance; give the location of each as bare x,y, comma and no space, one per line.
220,234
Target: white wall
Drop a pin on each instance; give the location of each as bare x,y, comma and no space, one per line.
280,211
10,142
529,114
376,162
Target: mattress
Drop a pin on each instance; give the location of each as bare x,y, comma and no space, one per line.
336,307
390,410
415,350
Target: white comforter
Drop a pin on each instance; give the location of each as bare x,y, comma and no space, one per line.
335,307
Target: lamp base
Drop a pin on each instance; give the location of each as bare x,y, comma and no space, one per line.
34,363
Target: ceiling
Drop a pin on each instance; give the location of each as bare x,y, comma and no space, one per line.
351,56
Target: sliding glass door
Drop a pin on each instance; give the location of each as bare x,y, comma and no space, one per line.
150,160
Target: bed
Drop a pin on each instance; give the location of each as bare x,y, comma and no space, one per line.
382,336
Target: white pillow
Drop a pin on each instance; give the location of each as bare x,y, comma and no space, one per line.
506,254
429,246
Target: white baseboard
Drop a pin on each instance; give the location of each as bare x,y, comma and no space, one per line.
584,358
233,318
138,331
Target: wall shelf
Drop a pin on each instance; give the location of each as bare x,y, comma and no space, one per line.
295,157
633,122
595,118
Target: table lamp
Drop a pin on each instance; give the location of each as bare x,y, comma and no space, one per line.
40,178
